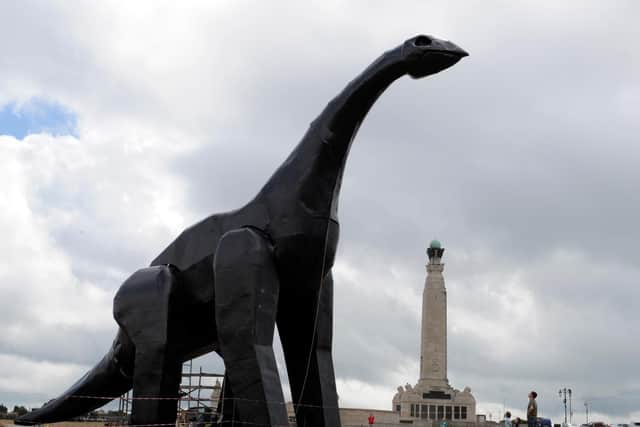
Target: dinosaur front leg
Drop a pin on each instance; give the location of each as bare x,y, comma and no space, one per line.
305,324
143,307
246,293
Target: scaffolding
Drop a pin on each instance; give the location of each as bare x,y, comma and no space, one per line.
199,390
199,394
124,406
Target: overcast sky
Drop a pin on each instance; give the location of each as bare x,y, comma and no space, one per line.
121,123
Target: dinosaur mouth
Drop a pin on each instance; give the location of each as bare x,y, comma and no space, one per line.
456,54
435,61
439,46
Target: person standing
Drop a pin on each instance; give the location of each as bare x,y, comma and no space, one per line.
532,410
507,419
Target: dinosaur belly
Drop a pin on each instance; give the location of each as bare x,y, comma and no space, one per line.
307,253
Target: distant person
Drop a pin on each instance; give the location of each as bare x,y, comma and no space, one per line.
532,410
507,419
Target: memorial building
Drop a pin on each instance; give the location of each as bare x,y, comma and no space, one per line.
433,398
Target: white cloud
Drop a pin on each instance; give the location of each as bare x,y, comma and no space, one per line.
36,273
22,376
358,394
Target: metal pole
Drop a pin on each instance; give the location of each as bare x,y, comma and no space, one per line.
564,400
562,393
199,388
586,410
570,408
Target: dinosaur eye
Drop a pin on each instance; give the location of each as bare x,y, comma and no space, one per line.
422,41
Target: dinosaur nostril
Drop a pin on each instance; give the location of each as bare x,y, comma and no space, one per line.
422,41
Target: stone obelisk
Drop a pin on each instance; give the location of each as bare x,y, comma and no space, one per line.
433,355
433,399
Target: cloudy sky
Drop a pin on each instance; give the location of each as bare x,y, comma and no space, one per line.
123,123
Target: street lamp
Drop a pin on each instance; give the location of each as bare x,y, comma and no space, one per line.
570,408
562,393
586,410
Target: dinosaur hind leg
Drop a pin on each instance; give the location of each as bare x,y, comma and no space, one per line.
246,290
305,324
143,308
226,404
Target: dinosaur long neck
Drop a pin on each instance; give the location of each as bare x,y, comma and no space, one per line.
313,171
344,113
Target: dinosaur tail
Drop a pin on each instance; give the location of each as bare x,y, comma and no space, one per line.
109,379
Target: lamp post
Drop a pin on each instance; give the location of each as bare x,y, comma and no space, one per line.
570,408
562,393
586,410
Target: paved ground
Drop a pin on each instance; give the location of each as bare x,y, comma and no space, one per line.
6,423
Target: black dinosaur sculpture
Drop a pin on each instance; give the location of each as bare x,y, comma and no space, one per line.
241,272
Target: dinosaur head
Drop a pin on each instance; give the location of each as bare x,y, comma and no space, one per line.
426,55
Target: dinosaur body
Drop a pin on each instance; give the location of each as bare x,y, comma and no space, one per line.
239,273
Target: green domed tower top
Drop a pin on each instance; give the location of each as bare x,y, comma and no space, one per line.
435,251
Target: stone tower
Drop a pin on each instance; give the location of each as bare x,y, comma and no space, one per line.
432,399
433,354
